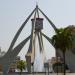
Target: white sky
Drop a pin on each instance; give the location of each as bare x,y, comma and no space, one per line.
14,12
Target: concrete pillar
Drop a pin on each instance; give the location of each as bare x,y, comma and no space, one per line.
28,60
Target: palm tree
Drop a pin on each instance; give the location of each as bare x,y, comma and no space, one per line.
62,41
21,65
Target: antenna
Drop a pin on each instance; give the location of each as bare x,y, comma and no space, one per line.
37,9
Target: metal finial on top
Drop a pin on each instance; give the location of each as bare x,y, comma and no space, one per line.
36,4
37,9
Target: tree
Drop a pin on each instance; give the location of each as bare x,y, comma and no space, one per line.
62,40
21,65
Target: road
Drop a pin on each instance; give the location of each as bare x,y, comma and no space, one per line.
40,74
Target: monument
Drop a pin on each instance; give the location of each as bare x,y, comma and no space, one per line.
37,26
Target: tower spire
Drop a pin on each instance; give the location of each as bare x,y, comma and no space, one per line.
36,3
37,9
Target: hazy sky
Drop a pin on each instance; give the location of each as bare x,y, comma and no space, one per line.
14,12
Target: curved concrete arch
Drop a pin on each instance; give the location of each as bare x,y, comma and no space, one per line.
12,55
18,48
40,45
18,32
54,27
32,33
49,40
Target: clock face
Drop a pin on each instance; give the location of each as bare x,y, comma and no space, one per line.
39,24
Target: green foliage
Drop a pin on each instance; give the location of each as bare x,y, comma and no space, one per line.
63,39
21,65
